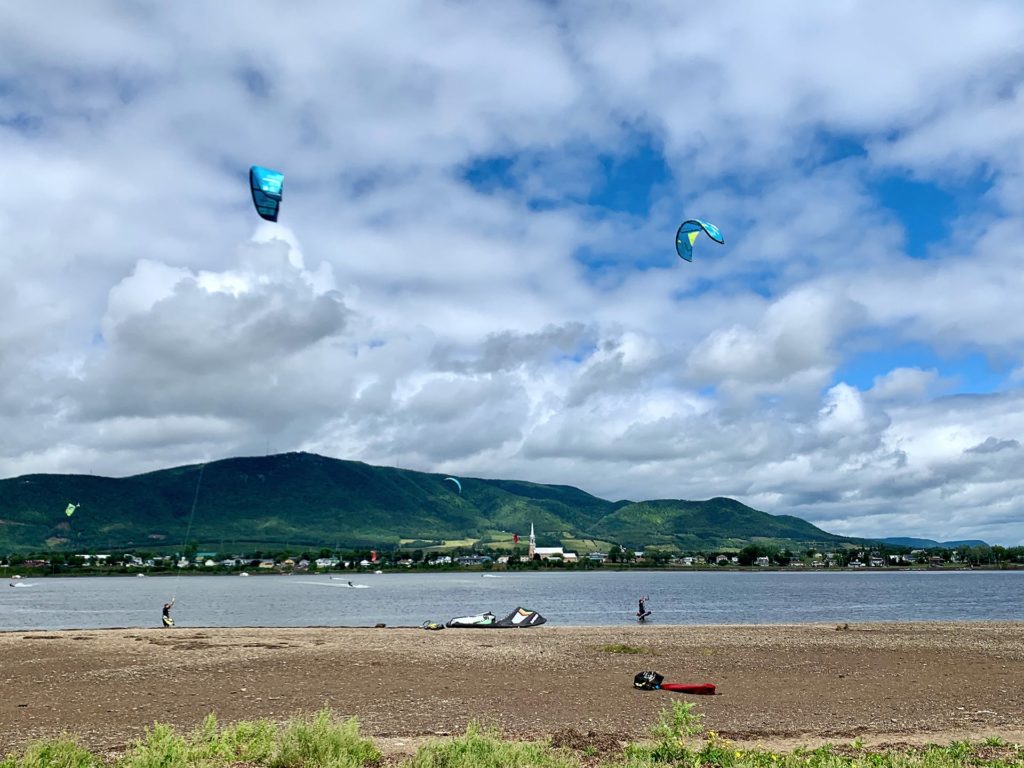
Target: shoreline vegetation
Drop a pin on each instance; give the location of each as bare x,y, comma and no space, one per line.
326,740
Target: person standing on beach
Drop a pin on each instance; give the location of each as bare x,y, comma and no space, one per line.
168,621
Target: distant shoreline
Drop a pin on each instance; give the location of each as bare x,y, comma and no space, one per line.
33,574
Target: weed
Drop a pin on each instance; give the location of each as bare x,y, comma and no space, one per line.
62,753
483,749
623,648
323,743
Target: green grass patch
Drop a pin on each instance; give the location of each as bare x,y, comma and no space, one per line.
484,749
61,753
623,648
323,743
678,740
585,546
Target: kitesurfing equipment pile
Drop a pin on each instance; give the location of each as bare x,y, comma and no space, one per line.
520,617
652,681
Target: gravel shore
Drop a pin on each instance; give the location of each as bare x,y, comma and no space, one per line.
778,685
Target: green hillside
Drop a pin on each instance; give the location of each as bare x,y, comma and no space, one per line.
717,522
304,500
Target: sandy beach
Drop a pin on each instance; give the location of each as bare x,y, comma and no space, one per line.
777,685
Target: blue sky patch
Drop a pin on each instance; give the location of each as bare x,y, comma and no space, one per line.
967,372
926,210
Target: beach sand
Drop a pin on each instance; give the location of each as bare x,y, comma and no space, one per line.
780,686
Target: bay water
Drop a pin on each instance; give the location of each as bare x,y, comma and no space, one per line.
605,598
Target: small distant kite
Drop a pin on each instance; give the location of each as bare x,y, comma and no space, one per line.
71,509
457,484
687,235
267,190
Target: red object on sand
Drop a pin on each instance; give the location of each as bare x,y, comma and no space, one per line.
702,689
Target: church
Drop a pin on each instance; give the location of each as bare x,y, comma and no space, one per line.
547,553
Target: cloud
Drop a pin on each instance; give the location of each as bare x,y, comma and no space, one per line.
791,349
992,445
903,384
486,282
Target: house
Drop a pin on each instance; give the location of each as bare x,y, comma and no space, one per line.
265,563
554,553
473,560
598,557
762,561
721,560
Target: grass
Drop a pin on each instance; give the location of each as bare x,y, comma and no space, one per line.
481,749
326,741
623,648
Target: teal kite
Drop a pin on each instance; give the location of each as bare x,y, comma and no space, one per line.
457,484
687,235
267,190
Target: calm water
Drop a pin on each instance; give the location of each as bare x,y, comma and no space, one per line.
607,598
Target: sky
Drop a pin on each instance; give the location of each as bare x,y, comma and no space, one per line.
474,270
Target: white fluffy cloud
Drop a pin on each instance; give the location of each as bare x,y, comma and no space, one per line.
478,292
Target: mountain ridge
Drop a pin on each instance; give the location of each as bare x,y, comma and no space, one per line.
308,500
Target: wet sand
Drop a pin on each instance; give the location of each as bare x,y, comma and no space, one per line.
779,685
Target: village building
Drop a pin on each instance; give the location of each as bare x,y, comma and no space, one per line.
547,553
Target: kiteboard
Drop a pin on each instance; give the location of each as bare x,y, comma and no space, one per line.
701,689
652,681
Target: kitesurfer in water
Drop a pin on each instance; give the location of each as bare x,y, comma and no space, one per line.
642,612
168,621
351,584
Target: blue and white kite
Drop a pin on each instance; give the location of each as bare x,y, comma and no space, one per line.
267,190
688,232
